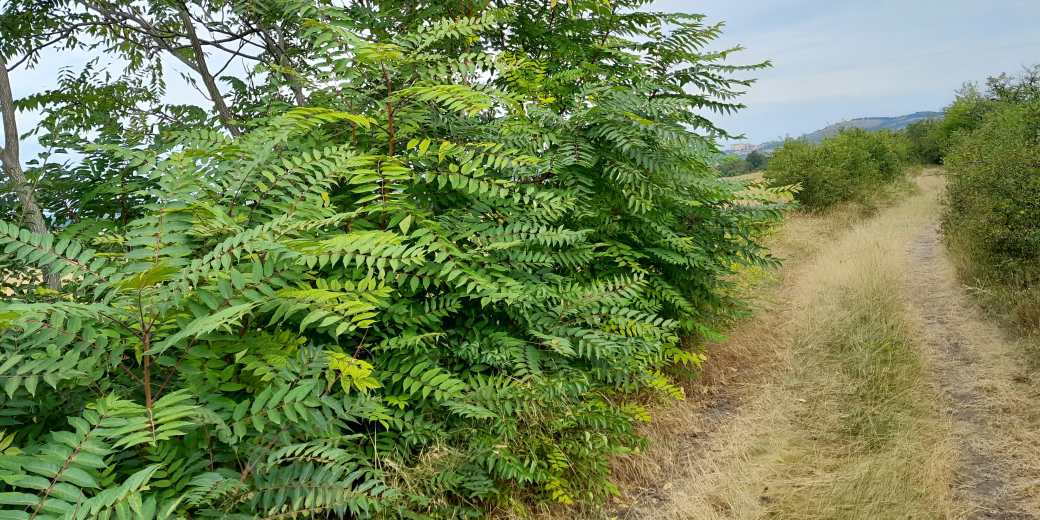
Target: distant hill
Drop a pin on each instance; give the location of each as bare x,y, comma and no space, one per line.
867,123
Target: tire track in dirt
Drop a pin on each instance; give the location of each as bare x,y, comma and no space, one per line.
743,367
956,341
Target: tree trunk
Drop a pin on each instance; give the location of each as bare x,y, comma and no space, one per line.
207,78
283,60
9,156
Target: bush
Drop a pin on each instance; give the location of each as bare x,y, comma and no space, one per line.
969,111
847,167
992,214
992,217
423,296
925,141
732,166
963,116
756,160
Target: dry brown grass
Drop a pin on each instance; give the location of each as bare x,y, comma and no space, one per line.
736,370
748,177
814,408
867,427
989,389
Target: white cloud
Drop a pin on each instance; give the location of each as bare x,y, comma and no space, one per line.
835,60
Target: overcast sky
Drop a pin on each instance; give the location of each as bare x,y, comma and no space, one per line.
832,59
841,59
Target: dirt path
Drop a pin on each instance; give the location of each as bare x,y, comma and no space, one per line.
867,386
969,358
715,420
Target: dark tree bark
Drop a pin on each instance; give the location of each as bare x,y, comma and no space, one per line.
12,166
207,77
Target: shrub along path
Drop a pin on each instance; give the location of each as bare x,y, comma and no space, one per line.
873,388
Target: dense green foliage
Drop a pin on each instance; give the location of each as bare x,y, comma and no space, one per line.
930,141
425,293
992,217
756,160
850,166
925,142
735,165
732,166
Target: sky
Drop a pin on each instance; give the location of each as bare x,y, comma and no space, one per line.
833,60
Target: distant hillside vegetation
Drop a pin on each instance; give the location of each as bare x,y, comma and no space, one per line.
866,123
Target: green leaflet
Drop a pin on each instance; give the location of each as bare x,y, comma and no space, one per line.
223,319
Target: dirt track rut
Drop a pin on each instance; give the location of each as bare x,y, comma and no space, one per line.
957,342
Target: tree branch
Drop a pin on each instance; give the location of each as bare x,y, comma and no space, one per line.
207,78
165,40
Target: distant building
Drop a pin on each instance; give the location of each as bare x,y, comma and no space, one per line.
742,149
